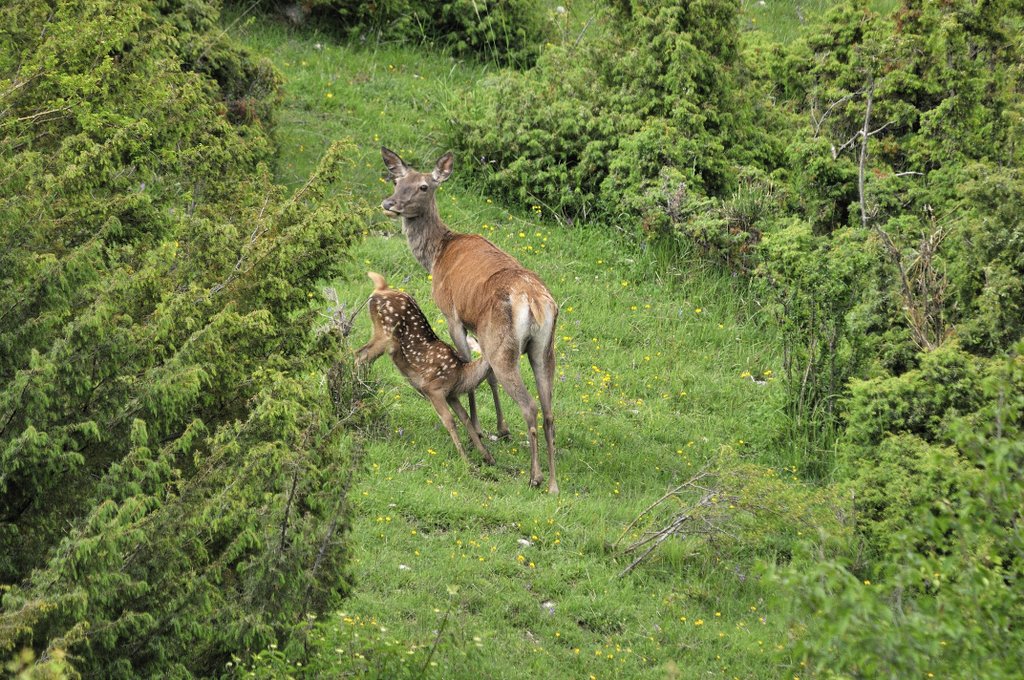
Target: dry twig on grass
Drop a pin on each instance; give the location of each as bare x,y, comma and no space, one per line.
697,517
748,504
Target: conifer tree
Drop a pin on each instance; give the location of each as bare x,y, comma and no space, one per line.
172,469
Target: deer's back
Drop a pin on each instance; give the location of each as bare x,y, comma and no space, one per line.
475,279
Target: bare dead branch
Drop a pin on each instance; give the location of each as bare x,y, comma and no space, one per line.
701,474
864,153
821,121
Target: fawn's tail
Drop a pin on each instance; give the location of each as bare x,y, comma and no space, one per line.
378,281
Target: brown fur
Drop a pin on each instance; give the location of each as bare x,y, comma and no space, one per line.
401,330
480,288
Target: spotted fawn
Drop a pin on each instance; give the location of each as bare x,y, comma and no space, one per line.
431,366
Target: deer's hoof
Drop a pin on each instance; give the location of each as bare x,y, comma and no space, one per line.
536,481
553,489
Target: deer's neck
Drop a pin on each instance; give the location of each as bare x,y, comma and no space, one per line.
426,236
473,374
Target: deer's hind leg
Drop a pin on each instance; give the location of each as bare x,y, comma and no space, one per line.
502,426
542,360
506,370
461,342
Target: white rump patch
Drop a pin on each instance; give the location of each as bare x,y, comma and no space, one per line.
521,321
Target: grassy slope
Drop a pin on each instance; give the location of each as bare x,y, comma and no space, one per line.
785,20
649,384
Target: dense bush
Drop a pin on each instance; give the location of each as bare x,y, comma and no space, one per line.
815,287
922,402
937,176
633,122
952,556
172,468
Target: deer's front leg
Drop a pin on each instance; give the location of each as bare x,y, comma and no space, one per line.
458,333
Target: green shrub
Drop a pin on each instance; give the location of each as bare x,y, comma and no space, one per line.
900,478
816,287
922,402
613,124
954,604
173,471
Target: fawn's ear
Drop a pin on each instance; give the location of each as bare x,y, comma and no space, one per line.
397,168
443,168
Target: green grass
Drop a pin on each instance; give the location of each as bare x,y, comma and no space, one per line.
652,381
786,20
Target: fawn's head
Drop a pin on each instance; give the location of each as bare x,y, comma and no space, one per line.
414,191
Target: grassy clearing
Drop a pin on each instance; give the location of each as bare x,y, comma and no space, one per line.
786,20
654,378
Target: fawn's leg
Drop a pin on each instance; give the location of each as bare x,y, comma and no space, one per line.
441,406
372,350
456,405
461,342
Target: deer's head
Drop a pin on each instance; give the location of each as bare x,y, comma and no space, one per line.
414,191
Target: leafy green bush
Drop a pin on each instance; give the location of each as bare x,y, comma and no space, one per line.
937,177
618,122
922,402
172,468
816,287
890,487
953,604
898,444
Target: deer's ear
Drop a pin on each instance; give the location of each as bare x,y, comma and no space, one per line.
443,169
396,166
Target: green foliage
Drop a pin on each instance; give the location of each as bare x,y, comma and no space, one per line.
937,88
986,261
173,472
954,603
620,121
816,285
890,487
933,190
25,667
921,402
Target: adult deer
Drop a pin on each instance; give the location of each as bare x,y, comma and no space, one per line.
432,367
480,288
